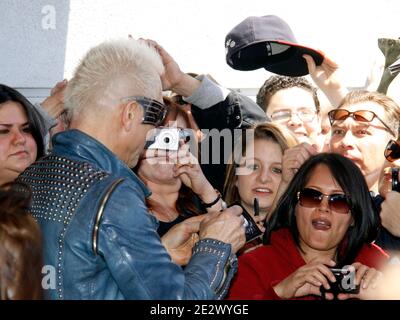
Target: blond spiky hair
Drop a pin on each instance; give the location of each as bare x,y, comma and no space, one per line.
111,60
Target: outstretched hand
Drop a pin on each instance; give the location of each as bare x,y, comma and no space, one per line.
173,75
54,104
173,78
326,78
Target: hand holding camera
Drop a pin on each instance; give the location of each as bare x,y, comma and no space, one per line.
345,282
361,283
307,280
167,138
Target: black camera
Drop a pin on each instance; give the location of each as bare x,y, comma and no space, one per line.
345,282
167,138
395,179
251,229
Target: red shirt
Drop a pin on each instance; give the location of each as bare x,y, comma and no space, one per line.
262,269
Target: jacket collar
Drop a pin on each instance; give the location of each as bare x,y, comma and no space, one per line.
79,146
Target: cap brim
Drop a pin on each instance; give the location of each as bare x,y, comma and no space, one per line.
287,63
295,65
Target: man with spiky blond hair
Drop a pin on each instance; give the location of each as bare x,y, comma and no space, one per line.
98,234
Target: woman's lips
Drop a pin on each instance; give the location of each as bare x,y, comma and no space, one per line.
262,191
321,224
20,154
301,133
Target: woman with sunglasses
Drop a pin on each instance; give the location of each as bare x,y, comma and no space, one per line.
324,220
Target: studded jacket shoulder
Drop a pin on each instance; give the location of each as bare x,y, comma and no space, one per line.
131,262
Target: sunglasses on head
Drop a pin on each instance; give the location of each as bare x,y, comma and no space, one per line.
359,115
392,151
154,112
311,198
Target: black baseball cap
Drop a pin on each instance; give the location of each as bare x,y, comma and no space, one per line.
267,42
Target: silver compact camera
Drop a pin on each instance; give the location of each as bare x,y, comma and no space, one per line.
167,138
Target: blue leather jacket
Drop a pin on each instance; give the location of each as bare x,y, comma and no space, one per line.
116,255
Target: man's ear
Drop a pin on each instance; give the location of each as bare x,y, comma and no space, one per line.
128,115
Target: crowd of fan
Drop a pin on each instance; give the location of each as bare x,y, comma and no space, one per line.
83,192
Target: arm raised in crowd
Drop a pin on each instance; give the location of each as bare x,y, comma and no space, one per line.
214,105
173,78
54,104
326,78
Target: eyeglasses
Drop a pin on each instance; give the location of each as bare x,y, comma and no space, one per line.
359,115
311,198
285,116
392,151
154,112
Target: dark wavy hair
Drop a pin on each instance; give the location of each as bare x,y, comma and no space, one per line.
277,82
34,119
352,181
21,258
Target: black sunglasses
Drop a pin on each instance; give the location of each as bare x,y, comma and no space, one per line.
392,151
154,112
311,198
359,115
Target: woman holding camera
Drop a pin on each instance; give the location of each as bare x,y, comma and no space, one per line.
324,220
181,194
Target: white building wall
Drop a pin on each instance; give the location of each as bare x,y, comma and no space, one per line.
43,40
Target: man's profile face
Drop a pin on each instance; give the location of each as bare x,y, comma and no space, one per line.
362,142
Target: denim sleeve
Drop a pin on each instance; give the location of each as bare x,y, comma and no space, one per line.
141,266
220,256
